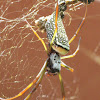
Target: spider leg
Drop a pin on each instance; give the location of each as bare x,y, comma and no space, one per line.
36,86
80,26
72,55
56,17
66,66
62,86
37,36
31,84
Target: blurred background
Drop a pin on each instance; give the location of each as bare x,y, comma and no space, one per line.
22,54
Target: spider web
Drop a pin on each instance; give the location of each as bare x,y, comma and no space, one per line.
22,54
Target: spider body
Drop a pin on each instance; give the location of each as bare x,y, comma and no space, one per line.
59,44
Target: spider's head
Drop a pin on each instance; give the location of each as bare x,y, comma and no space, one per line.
54,64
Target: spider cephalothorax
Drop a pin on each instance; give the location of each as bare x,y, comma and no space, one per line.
53,63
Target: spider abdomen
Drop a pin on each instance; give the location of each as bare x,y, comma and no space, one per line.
60,43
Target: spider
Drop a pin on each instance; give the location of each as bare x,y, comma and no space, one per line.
58,45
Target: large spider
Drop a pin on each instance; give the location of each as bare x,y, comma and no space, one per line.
59,44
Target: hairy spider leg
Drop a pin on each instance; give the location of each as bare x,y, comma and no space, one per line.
80,26
31,84
62,86
37,36
72,55
36,86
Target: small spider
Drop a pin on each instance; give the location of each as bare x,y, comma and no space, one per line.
59,44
